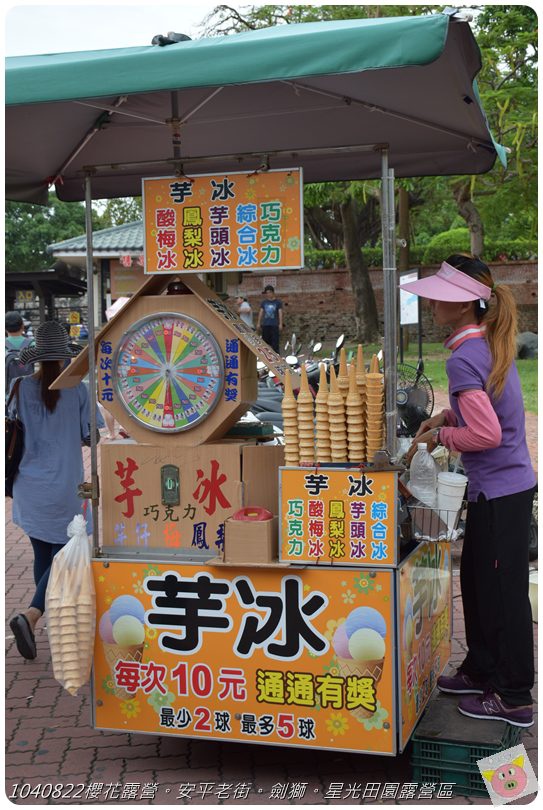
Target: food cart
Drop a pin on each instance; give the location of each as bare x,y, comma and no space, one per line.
294,643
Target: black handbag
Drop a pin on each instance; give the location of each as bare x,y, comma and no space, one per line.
14,441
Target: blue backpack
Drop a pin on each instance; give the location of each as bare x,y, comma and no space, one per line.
14,367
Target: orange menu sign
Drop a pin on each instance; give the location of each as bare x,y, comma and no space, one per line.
301,658
337,515
222,223
425,628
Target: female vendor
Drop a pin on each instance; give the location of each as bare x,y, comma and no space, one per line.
486,424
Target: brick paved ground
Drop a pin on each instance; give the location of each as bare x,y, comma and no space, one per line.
49,737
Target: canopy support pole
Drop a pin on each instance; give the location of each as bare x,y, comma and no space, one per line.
390,293
291,154
94,491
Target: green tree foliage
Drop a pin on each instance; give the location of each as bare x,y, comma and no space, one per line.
30,228
120,211
446,243
505,199
337,215
501,203
228,20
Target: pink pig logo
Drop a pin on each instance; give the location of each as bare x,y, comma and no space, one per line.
508,780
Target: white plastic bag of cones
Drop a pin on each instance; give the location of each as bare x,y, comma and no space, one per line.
70,606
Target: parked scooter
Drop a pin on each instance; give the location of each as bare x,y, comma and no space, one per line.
311,361
313,374
267,407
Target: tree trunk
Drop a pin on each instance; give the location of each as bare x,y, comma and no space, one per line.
468,211
367,323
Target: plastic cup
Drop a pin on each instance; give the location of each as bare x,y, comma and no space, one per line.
450,494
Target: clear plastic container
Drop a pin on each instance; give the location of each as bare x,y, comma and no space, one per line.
423,476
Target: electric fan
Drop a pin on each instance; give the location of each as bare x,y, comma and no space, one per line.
414,399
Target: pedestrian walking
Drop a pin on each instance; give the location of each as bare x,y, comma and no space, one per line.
270,318
245,311
45,499
486,424
15,342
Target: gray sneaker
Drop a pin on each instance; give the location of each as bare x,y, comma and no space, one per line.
460,684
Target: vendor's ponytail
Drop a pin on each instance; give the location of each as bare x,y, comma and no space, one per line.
501,333
500,319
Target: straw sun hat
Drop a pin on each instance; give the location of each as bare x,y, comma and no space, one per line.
51,343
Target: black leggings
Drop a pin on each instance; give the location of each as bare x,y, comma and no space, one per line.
43,557
494,579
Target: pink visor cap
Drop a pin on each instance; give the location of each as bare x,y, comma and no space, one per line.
449,284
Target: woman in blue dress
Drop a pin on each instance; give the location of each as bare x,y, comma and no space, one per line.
45,500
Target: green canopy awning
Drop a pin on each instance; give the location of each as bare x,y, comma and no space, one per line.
269,54
324,96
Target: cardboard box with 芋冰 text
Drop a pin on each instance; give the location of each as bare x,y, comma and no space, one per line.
215,480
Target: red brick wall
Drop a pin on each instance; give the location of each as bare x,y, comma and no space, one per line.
319,303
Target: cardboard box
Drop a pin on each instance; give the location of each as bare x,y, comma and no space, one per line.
251,541
215,480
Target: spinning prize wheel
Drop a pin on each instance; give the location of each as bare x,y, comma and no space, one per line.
169,372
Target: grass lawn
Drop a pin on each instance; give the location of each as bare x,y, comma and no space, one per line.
434,356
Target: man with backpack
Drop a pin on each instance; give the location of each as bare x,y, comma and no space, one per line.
15,343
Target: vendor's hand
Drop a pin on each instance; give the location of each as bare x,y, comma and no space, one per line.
428,437
436,421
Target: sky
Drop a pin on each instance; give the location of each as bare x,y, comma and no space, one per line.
45,27
38,26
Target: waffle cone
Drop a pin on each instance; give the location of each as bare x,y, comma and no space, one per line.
119,652
362,669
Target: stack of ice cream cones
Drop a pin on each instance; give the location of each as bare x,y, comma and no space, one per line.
289,409
361,374
336,419
343,375
306,422
71,630
361,386
375,409
355,420
323,426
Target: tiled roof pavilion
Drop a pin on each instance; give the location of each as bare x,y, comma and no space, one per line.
110,242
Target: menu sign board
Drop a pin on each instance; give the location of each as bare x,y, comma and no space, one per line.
303,658
224,223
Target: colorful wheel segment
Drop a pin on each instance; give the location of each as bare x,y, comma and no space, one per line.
169,372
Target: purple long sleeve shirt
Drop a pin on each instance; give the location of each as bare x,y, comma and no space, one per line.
502,470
